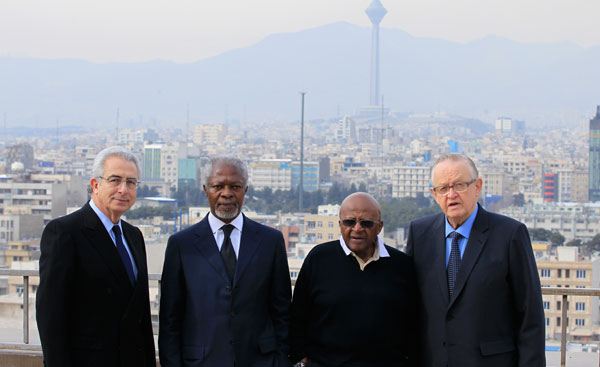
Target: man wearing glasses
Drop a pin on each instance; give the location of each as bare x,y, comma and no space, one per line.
480,295
92,303
355,299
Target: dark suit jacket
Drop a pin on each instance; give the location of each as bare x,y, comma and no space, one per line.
207,321
495,317
88,313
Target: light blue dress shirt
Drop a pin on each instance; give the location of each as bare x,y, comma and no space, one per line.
465,232
108,224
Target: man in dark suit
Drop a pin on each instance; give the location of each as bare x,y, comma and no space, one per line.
92,304
480,291
355,301
225,289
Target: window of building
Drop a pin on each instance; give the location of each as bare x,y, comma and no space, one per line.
319,236
330,236
558,321
559,273
558,304
320,224
580,322
579,306
310,224
545,273
567,273
547,321
546,305
581,274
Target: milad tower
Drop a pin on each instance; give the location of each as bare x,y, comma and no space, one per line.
375,12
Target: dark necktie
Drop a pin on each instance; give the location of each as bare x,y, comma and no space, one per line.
227,252
123,253
453,262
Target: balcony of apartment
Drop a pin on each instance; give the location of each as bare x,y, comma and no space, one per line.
20,345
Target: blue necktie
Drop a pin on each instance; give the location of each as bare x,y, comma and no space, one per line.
123,253
453,262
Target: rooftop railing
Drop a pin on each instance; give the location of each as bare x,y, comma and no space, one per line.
26,274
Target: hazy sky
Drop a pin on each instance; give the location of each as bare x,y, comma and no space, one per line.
188,30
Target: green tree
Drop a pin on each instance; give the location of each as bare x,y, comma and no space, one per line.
557,239
539,234
593,245
518,199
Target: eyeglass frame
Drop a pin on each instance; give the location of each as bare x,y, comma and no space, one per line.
467,184
127,181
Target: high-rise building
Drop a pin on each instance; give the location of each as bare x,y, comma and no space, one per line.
152,161
346,131
595,157
375,12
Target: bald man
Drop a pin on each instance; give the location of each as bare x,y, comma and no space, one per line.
354,303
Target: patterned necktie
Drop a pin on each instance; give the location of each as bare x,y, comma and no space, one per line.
123,253
227,252
453,262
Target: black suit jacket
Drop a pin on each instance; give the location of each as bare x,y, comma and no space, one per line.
88,313
207,321
495,317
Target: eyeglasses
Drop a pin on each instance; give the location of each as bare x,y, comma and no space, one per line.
116,181
458,187
364,223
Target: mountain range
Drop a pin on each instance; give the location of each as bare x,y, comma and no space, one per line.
490,77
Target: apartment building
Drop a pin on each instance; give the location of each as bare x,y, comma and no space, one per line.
409,181
568,270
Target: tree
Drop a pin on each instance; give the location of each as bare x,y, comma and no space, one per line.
518,199
539,234
575,243
557,239
593,245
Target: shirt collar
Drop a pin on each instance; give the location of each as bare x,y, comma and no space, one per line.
108,224
465,228
216,223
383,252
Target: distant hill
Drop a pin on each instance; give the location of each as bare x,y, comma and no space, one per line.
331,63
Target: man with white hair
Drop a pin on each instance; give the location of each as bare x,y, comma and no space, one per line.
481,301
92,304
225,290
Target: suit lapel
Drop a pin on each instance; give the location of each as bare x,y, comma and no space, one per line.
474,247
438,233
100,240
207,246
249,243
134,246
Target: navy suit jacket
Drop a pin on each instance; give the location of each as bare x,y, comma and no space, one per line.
495,317
88,313
207,321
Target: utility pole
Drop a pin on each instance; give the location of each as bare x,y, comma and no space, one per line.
301,186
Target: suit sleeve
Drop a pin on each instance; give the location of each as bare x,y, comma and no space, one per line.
147,323
409,241
525,283
280,298
172,301
53,300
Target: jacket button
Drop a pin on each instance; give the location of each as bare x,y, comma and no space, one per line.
228,288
